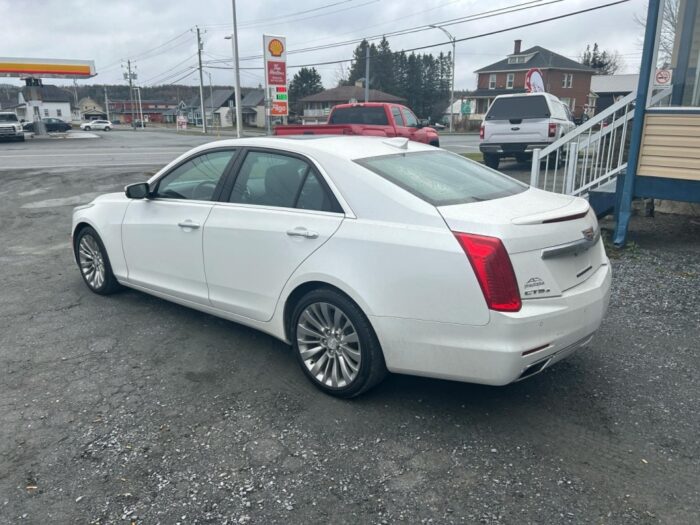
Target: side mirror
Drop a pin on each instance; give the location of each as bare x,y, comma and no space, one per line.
140,190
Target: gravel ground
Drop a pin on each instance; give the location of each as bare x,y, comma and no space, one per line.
129,409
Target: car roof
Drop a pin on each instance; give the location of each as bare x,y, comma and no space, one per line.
339,146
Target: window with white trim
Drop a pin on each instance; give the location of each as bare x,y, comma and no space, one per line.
492,81
567,80
510,78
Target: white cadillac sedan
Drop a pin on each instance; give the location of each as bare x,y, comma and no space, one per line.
365,254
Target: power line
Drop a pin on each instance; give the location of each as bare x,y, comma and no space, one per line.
464,39
425,27
142,54
287,19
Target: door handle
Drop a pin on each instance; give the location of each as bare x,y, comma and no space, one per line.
188,224
302,232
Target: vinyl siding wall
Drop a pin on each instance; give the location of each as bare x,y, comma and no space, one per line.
670,147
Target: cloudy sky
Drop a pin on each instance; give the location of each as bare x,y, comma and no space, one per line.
157,35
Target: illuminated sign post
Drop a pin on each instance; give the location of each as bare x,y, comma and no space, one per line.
277,103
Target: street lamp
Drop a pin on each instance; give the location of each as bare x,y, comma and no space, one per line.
452,90
234,46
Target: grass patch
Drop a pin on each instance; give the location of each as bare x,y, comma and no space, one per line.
478,157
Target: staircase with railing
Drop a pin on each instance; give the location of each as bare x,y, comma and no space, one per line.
587,160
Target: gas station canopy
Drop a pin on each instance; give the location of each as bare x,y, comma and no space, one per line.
46,68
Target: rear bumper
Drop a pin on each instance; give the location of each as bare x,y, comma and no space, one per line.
512,148
493,354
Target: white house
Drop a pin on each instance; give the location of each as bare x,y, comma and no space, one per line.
43,102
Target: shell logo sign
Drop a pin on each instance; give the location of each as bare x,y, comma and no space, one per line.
46,68
275,47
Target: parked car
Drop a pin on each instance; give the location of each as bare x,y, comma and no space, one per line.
139,124
363,253
52,125
10,126
105,125
515,125
372,118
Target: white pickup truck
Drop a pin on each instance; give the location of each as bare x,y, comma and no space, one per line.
515,125
10,126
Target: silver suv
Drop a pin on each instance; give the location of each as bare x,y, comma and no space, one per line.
517,124
10,126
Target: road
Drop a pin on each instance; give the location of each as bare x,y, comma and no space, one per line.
129,407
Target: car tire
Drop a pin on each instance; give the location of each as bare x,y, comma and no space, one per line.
435,143
86,128
335,344
107,128
93,262
492,160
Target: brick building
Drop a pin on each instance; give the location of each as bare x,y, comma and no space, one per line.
563,77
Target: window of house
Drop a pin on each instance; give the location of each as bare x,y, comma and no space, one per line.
492,81
510,78
567,80
46,112
59,113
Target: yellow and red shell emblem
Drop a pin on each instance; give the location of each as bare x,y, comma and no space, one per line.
275,47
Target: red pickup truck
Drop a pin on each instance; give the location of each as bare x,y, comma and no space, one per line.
370,118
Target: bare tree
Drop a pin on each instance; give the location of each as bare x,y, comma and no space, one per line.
669,25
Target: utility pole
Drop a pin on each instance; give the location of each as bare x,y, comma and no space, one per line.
452,89
211,101
367,74
106,103
237,87
138,92
131,93
201,82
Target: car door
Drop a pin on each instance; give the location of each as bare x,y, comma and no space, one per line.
411,123
162,235
401,129
279,211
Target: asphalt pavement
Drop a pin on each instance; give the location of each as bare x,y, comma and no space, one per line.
130,409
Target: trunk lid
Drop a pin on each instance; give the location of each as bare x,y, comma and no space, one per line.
553,240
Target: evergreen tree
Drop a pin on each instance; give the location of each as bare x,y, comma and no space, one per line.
306,82
604,62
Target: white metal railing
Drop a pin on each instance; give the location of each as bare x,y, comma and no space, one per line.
590,155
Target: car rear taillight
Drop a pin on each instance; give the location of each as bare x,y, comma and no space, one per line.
493,270
481,132
552,129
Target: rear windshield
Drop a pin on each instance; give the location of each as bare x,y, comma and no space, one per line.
8,117
359,115
443,178
518,107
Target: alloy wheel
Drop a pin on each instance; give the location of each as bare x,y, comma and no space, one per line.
92,263
329,345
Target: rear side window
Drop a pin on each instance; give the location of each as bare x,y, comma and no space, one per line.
442,178
508,108
359,115
270,179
